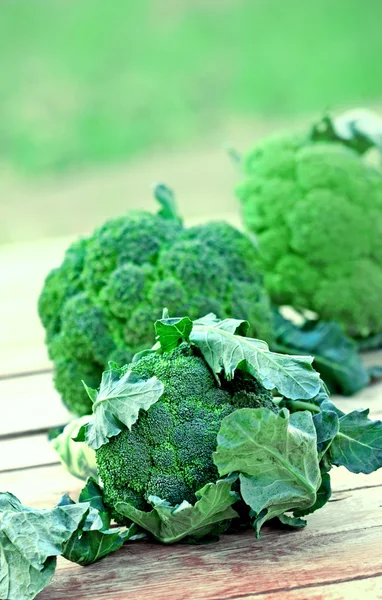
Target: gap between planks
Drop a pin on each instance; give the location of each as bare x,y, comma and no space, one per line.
369,587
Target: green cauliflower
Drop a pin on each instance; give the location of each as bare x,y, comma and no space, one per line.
168,452
315,206
99,305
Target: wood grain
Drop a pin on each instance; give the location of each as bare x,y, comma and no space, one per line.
26,452
368,589
234,567
30,403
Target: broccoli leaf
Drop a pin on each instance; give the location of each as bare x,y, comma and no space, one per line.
358,444
323,496
225,349
117,404
335,355
169,332
94,539
294,522
30,540
276,456
76,457
359,129
326,424
165,196
170,524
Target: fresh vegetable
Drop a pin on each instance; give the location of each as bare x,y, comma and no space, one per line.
315,205
209,431
210,412
99,304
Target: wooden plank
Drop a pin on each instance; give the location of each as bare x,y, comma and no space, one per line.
236,566
369,588
26,452
30,403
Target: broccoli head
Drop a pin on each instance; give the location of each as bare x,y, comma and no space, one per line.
99,305
168,451
316,208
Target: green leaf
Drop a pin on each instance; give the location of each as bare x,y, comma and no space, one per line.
359,129
225,349
117,404
358,445
294,522
326,424
373,342
76,457
276,457
165,196
94,539
170,524
169,332
323,496
336,356
30,540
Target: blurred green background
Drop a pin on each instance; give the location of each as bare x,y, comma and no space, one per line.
98,98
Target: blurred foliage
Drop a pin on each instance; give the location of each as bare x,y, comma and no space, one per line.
94,81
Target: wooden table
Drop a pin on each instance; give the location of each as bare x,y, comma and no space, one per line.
338,556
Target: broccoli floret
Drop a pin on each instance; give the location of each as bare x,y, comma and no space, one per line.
316,209
100,304
168,452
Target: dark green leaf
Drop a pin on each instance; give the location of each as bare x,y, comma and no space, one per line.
170,332
358,129
375,372
323,495
326,424
225,350
276,456
358,445
373,342
165,196
118,402
335,355
170,524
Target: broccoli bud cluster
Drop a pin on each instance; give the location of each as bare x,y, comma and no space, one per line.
100,303
316,209
168,452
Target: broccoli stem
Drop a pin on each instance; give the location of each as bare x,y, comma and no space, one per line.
295,405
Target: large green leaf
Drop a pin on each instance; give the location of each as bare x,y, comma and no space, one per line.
170,524
276,457
76,457
30,540
225,350
336,356
358,444
117,403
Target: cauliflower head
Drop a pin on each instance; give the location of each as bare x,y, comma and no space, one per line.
316,209
168,452
99,305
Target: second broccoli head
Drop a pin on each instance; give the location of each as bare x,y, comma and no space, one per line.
100,303
316,208
168,452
